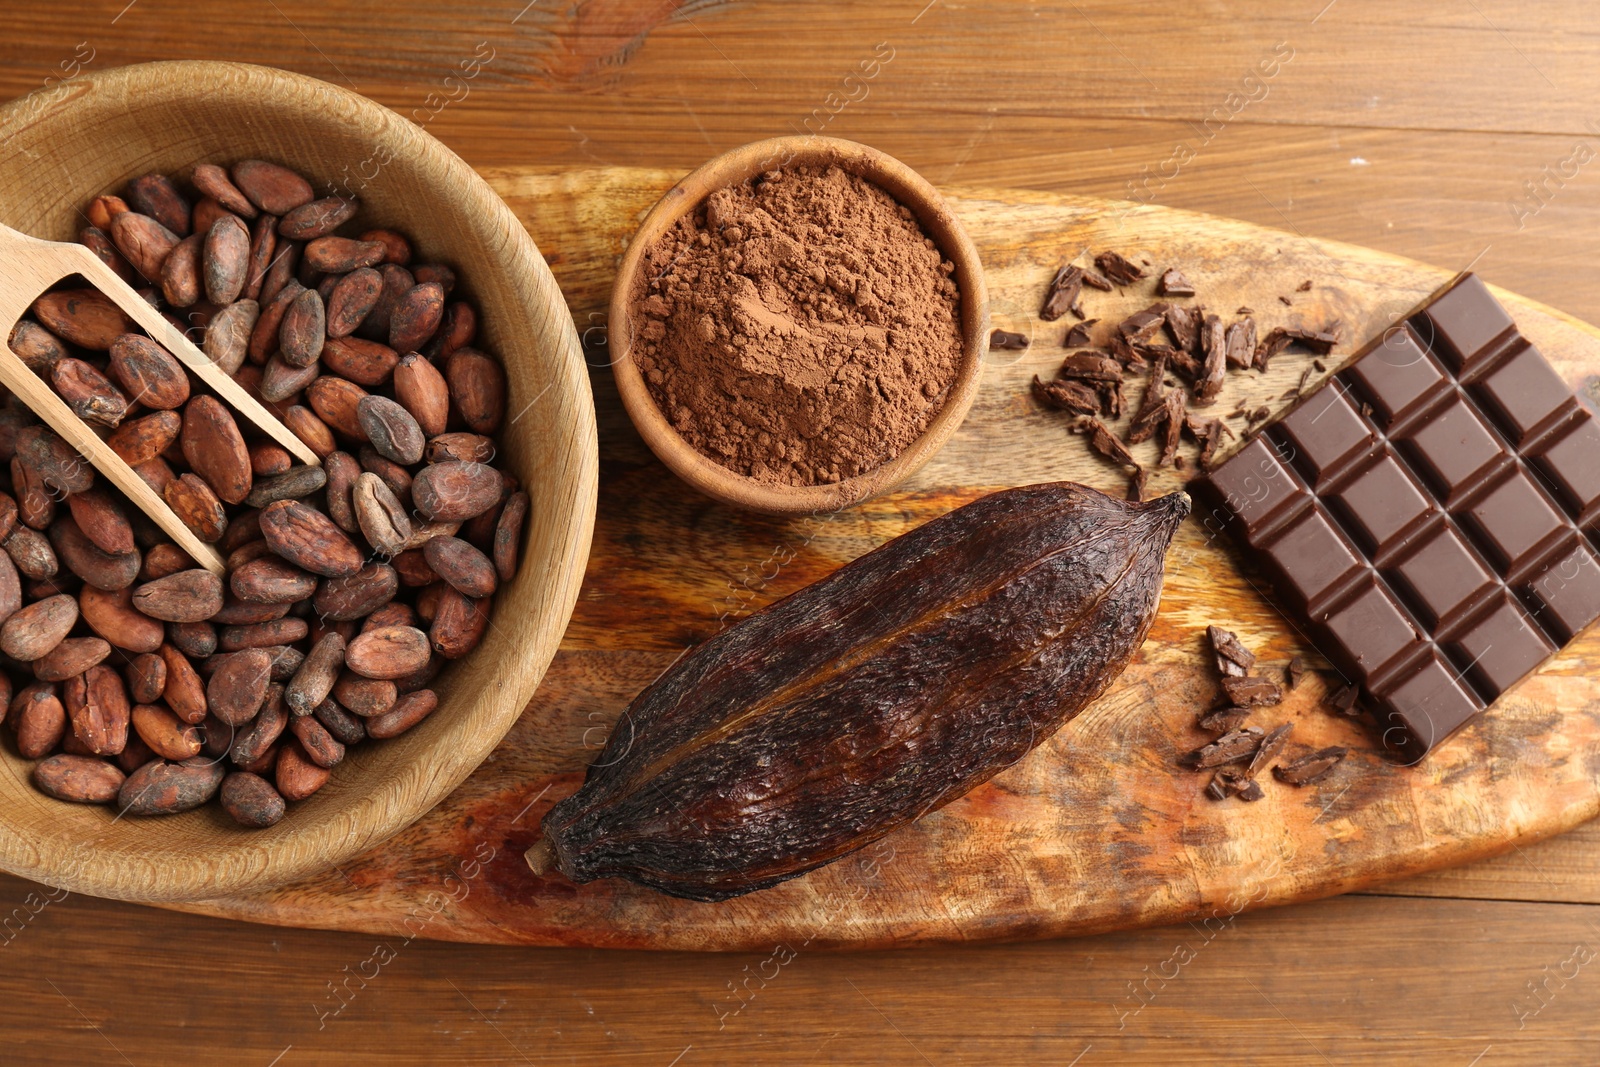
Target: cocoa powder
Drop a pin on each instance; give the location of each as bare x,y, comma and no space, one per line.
799,328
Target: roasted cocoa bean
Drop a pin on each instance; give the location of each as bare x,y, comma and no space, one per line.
271,580
337,255
163,788
383,521
156,196
251,800
303,331
188,596
508,536
102,519
459,623
215,449
297,775
147,678
477,388
321,747
33,630
144,243
275,190
196,506
81,556
318,218
269,324
364,696
360,594
309,539
74,655
416,317
314,680
185,693
238,685
111,614
351,301
462,565
166,734
346,728
388,653
41,719
212,181
98,709
180,279
80,779
270,634
251,741
453,491
30,551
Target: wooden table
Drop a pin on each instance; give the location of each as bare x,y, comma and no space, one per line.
1414,127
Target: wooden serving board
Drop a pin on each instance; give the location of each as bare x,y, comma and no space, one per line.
1098,828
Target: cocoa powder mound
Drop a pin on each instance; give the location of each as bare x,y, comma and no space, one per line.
799,328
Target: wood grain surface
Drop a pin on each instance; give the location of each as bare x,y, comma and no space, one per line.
1410,128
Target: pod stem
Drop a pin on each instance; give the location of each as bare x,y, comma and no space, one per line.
541,857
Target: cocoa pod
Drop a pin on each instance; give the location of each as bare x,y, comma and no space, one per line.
72,656
36,502
351,301
111,614
459,623
360,594
215,449
180,272
384,523
270,634
275,190
147,678
318,218
57,463
149,373
188,596
143,242
453,491
393,432
314,680
269,324
238,685
36,346
263,252
396,248
32,631
83,317
303,330
227,339
346,728
282,381
477,388
250,800
79,779
416,316
338,255
268,460
101,518
212,181
365,697
421,390
30,551
366,363
296,484
97,707
461,447
102,209
309,539
335,400
304,424
297,776
82,557
251,742
407,711
321,747
146,438
185,693
197,507
463,566
156,196
271,580
508,535
166,734
388,653
163,788
436,272
41,720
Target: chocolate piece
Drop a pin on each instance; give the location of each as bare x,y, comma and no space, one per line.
1094,281
1078,335
1268,750
1431,512
1107,444
1208,433
1089,367
1067,396
1304,287
1233,659
1224,720
1062,294
1136,485
1174,430
1343,699
1311,768
1286,301
1241,343
1184,326
1118,269
1231,747
1294,672
1173,283
1005,339
1251,692
1141,326
1215,348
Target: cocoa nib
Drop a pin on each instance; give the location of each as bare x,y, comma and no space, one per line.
1231,747
1067,396
1078,335
1310,768
1061,296
1233,659
1007,340
1117,268
1252,691
1173,283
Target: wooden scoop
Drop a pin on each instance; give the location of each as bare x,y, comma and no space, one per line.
28,267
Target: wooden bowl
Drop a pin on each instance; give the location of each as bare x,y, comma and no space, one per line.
91,135
741,164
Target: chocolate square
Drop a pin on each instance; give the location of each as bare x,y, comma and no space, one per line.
1312,557
1427,704
1522,393
1568,463
1379,503
1500,647
1323,432
1369,631
1453,448
1396,375
1512,520
1567,593
1463,322
1255,485
1440,576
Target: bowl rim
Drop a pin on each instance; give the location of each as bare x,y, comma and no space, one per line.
740,164
396,798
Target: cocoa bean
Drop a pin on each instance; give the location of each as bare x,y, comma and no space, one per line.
206,212
335,400
80,779
164,559
408,710
251,741
251,800
458,330
195,639
270,634
163,788
508,536
97,707
41,720
83,317
318,218
166,734
303,331
212,181
103,521
185,694
284,263
197,507
397,282
36,346
134,754
396,477
477,388
342,599
286,660
459,623
180,272
423,532
236,612
384,523
454,491
56,463
389,653
268,460
238,685
337,255
271,580
309,539
342,471
226,260
296,484
396,248
32,631
314,680
156,196
297,776
394,433
147,678
72,656
351,301
275,190
393,613
263,251
436,272
320,746
110,613
348,729
227,338
421,390
269,324
304,424
461,447
215,449
366,363
149,373
365,697
30,551
462,565
146,438
81,556
416,316
188,596
8,515
282,381
102,209
10,587
99,242
143,242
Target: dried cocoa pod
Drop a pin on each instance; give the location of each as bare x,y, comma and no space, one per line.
460,564
297,775
144,439
32,631
79,779
197,506
36,346
30,551
147,678
180,272
508,535
251,800
309,539
149,373
163,788
295,484
459,623
365,697
338,255
477,388
227,339
156,196
167,735
273,633
238,686
275,190
40,718
388,653
303,331
383,521
416,317
453,491
269,324
366,363
352,300
396,248
1038,596
335,400
82,557
98,709
408,710
83,317
318,218
188,596
212,181
143,242
74,655
346,728
360,594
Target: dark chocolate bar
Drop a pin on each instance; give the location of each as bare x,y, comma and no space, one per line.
1430,514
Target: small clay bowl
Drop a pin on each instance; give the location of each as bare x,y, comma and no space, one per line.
939,222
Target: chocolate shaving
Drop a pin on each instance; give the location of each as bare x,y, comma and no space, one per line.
1268,750
1343,700
1061,295
1173,283
1124,353
1184,326
1241,343
1231,747
1294,672
1078,335
1118,269
1310,768
1208,433
1209,383
1106,443
1152,409
1111,398
1319,341
1224,720
1174,420
1305,286
1088,367
1276,340
1245,311
1233,659
1067,396
1141,326
1286,301
1230,782
1094,281
1006,340
1252,691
